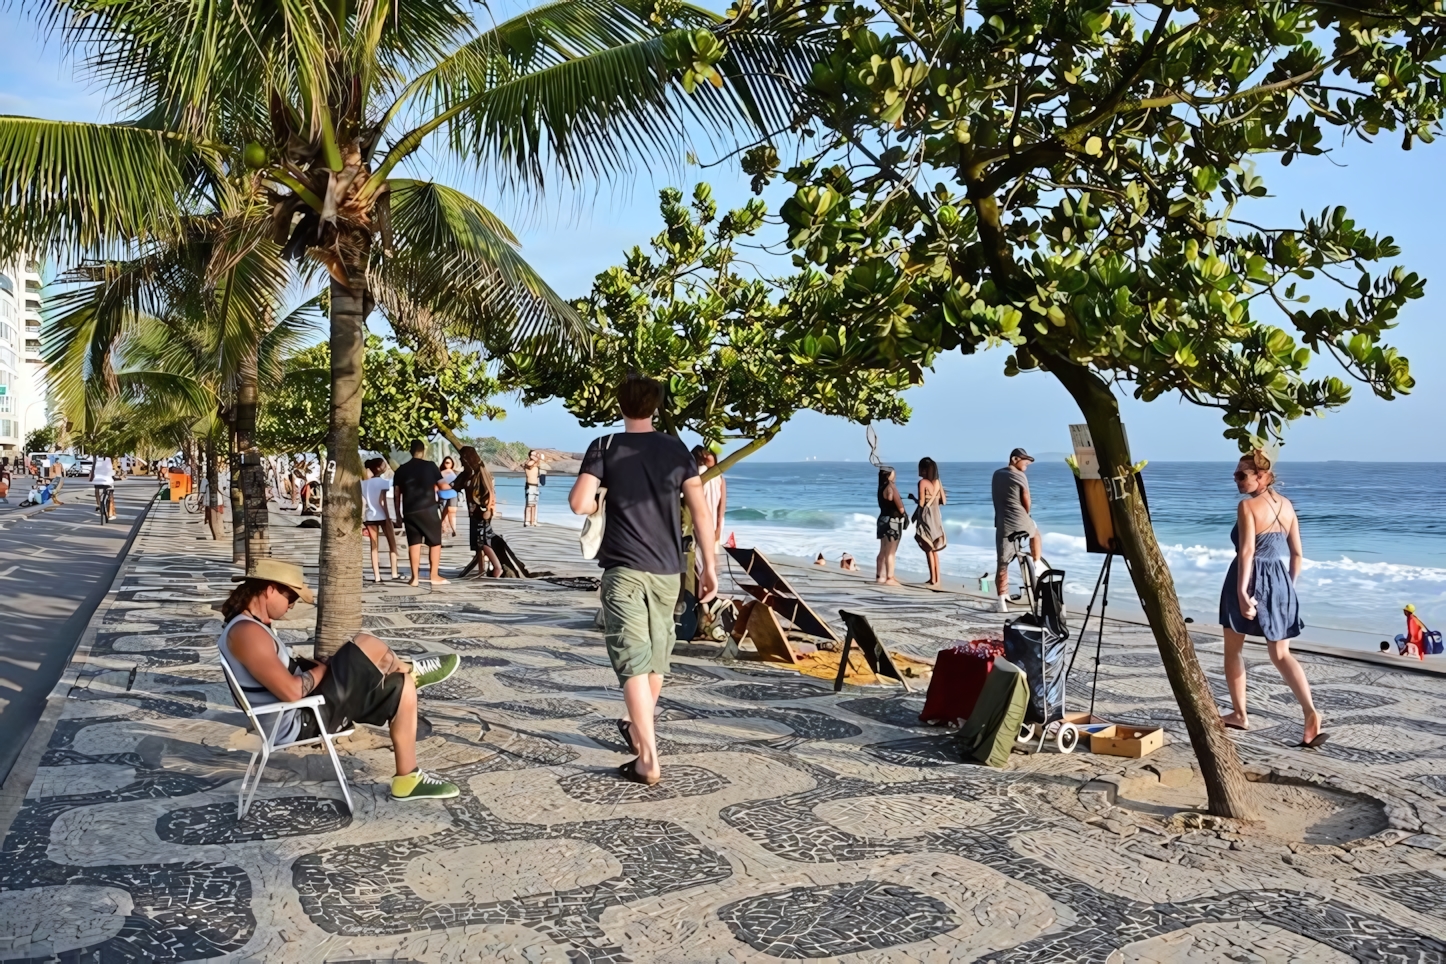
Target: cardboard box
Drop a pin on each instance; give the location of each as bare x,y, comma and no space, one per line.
1086,724
1132,741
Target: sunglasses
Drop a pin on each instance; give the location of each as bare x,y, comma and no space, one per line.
1242,476
291,594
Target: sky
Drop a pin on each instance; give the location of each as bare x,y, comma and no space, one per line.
966,410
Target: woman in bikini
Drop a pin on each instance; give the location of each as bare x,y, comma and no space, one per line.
890,529
1258,598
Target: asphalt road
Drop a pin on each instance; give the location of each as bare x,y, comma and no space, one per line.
55,568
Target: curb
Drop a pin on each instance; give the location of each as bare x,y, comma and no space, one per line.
22,773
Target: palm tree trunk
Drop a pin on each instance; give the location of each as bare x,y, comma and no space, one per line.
1225,782
233,493
252,471
339,580
213,490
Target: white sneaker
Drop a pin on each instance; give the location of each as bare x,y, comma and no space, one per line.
1003,604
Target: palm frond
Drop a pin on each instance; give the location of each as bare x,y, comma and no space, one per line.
456,265
67,188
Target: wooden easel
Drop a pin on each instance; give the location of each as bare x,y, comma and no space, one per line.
774,592
880,662
759,624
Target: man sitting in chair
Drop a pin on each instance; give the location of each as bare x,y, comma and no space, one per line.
363,682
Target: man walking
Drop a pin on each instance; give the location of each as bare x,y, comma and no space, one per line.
532,471
416,484
1011,514
57,479
644,472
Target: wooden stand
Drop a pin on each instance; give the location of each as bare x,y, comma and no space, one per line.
861,632
759,624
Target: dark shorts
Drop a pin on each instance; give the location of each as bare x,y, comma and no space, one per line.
890,528
423,527
356,692
481,532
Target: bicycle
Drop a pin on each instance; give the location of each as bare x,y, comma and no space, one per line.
1028,594
107,501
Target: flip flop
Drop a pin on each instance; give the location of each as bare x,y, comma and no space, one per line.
1315,744
1236,726
629,771
625,727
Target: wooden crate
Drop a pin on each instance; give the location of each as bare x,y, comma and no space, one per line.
1132,741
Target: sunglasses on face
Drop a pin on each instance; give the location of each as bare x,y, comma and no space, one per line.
1241,476
291,595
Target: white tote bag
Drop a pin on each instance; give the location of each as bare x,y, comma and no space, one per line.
593,525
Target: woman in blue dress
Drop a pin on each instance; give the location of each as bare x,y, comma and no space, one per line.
1258,598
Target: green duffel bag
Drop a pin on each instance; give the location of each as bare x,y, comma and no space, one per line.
991,731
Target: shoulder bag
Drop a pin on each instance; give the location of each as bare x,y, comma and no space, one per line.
593,525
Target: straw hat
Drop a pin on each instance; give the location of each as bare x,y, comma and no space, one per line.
282,573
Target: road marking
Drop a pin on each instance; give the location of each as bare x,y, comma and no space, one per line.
22,663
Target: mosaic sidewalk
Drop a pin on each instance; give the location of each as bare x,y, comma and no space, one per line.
792,822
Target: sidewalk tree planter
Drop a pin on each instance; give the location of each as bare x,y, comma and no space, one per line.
728,346
1072,183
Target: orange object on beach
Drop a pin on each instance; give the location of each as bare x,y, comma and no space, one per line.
180,485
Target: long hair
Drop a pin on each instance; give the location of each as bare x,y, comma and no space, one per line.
241,597
884,481
448,461
928,470
476,481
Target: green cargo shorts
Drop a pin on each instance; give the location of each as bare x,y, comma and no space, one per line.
638,620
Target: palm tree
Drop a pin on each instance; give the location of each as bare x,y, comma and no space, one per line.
326,103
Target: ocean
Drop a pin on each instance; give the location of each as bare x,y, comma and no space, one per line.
1374,534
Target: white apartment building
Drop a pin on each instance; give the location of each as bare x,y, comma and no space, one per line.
23,405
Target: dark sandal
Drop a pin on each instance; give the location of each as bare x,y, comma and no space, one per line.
629,771
1315,744
625,727
1236,726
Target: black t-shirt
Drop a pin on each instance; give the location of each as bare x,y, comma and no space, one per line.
417,481
644,474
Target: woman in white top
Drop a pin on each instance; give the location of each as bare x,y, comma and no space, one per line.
715,493
102,476
449,510
376,515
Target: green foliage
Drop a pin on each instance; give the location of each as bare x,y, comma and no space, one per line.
404,398
1094,172
494,451
41,439
734,359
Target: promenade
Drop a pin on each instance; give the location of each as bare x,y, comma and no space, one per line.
791,823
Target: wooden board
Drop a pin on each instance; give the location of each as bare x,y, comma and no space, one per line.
775,593
860,631
768,637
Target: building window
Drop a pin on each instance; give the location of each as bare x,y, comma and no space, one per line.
32,285
6,284
32,304
7,404
32,344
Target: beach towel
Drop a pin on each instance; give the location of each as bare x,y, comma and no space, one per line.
929,527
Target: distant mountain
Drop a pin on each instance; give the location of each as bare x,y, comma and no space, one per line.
509,456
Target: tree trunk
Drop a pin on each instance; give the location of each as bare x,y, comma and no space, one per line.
213,491
339,582
252,472
1229,791
233,492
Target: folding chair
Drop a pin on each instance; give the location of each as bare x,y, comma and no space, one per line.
254,715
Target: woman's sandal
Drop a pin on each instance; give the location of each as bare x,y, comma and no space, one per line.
1316,743
625,727
629,771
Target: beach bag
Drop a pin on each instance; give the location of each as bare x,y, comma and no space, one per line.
990,734
1041,655
596,522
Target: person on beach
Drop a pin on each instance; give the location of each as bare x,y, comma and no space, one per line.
449,509
715,493
416,484
1258,598
846,563
928,520
532,477
1010,491
645,472
363,682
890,529
377,516
475,483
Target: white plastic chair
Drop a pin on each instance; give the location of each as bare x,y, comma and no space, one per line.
254,714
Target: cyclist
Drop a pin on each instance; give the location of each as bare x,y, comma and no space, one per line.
1010,491
102,477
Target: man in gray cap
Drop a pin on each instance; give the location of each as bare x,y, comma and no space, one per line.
1011,514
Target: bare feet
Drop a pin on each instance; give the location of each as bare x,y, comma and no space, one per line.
437,581
413,581
1312,728
1235,721
891,581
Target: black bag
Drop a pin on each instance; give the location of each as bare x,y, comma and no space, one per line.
1030,645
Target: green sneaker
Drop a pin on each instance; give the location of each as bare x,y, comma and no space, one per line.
434,668
419,785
